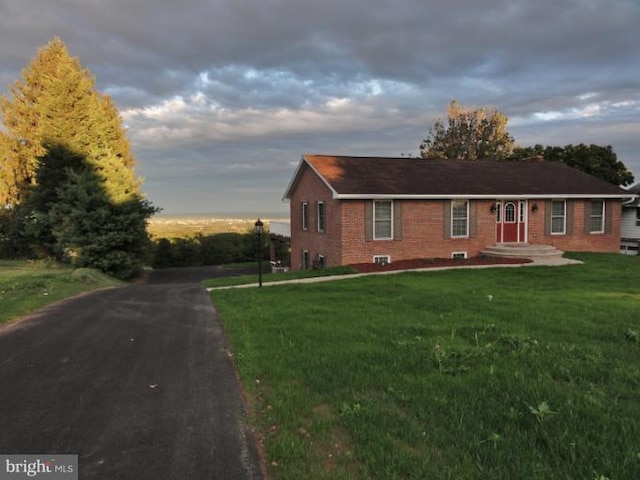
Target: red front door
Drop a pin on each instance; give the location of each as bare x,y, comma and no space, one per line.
511,218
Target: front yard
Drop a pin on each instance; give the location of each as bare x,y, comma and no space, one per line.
502,373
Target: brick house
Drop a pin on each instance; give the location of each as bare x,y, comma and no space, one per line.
347,210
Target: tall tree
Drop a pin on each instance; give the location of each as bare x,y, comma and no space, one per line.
56,104
596,160
60,132
470,134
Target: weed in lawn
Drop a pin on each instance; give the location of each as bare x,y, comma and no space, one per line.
542,411
632,335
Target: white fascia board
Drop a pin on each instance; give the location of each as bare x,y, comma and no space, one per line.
293,180
334,194
630,201
347,196
303,161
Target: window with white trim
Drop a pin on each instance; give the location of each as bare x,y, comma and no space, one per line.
510,213
459,255
321,211
321,262
558,217
382,259
305,260
459,218
596,217
383,220
305,216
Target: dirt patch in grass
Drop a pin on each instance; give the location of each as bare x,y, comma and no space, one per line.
436,262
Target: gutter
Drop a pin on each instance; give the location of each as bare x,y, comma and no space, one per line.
387,196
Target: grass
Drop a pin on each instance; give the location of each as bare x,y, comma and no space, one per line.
463,374
276,277
27,286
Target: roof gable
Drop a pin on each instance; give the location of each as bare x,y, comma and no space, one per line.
361,177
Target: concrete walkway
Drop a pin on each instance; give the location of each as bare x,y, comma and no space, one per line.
537,262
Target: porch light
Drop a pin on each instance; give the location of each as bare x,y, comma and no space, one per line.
534,207
259,226
493,208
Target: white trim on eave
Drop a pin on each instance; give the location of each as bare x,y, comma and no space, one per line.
369,196
294,180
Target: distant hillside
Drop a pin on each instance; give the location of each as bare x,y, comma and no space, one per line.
191,226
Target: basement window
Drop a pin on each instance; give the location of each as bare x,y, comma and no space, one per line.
459,255
382,259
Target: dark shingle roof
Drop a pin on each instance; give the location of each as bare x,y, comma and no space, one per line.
382,176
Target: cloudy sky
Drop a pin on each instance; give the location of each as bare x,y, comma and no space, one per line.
222,97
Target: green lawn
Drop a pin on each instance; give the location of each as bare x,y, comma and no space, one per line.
27,286
529,373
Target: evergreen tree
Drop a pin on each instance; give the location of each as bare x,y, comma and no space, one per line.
61,136
89,230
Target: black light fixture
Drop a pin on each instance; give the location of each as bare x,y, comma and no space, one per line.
534,207
259,226
493,208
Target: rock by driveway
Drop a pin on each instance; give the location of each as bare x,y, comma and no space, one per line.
135,380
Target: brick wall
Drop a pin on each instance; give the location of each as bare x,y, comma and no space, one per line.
311,189
423,234
578,241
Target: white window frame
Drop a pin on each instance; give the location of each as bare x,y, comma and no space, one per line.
321,262
563,216
375,221
305,260
592,217
454,218
510,214
460,255
382,259
321,220
522,207
305,216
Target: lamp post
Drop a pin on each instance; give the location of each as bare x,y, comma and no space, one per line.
259,226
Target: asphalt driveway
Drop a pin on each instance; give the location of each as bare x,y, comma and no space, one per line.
135,380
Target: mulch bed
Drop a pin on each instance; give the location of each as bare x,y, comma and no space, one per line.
436,262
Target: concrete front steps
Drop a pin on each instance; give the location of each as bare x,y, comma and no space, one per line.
523,250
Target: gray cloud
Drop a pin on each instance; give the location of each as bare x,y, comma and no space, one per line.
221,97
